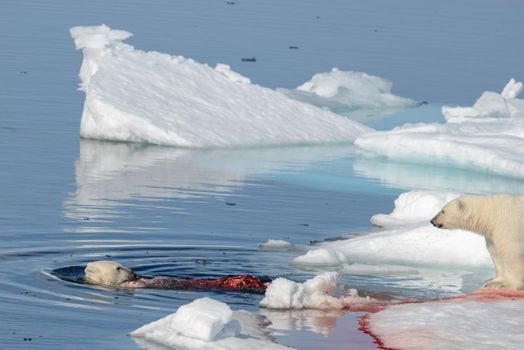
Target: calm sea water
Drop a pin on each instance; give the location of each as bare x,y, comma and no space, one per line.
168,211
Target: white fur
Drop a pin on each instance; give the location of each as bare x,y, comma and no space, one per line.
500,219
107,273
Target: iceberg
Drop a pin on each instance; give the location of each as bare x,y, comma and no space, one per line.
151,97
205,324
475,143
350,93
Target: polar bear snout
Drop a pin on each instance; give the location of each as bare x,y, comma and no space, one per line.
435,223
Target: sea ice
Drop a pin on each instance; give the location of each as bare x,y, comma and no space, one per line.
419,245
475,143
451,325
206,324
151,97
412,242
350,93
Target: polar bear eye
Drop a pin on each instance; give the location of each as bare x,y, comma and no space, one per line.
442,212
118,268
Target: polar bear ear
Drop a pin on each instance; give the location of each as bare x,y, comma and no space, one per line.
461,205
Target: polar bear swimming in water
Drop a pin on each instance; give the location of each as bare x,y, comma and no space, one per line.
111,274
500,219
108,273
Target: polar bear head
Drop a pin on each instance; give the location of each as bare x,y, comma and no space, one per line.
454,215
107,273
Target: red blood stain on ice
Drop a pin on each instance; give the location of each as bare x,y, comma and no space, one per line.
482,295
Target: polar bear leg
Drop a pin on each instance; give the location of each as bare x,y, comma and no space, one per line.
497,281
508,264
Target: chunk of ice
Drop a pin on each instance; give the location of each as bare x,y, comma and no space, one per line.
156,98
412,207
411,240
493,146
207,324
491,105
321,292
487,136
275,244
350,93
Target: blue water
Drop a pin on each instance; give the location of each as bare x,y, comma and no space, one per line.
167,211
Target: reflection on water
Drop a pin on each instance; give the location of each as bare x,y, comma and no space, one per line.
318,321
412,176
108,174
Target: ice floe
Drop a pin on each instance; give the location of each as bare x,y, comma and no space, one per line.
412,242
475,143
450,325
206,324
151,97
351,93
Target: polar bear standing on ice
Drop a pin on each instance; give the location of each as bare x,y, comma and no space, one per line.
500,219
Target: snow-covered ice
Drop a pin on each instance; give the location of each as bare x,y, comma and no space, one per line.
350,93
419,245
412,242
206,324
320,292
151,97
486,144
412,207
451,325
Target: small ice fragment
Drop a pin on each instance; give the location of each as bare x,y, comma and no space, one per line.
275,244
490,105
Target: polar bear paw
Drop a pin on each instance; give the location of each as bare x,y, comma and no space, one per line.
495,284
